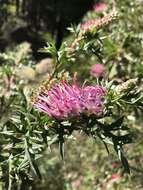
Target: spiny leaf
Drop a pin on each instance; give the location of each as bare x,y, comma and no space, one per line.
117,124
33,166
125,163
61,148
118,148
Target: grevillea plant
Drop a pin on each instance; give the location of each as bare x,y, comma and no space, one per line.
88,108
91,104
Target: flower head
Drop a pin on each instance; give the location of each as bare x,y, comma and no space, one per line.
99,7
65,101
98,70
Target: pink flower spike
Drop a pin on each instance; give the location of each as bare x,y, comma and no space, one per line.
98,22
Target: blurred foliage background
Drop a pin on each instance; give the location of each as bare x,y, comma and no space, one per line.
25,27
38,21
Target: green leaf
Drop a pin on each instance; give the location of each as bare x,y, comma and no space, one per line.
125,163
118,148
33,166
61,148
117,124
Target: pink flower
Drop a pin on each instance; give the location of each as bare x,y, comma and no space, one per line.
65,101
116,177
99,7
98,70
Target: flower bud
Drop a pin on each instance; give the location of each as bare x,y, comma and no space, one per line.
124,87
98,71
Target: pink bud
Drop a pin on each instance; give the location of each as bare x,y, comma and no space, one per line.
99,7
98,70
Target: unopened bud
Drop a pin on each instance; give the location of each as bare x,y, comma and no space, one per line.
126,86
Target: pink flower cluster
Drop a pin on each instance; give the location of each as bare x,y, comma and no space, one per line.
65,101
